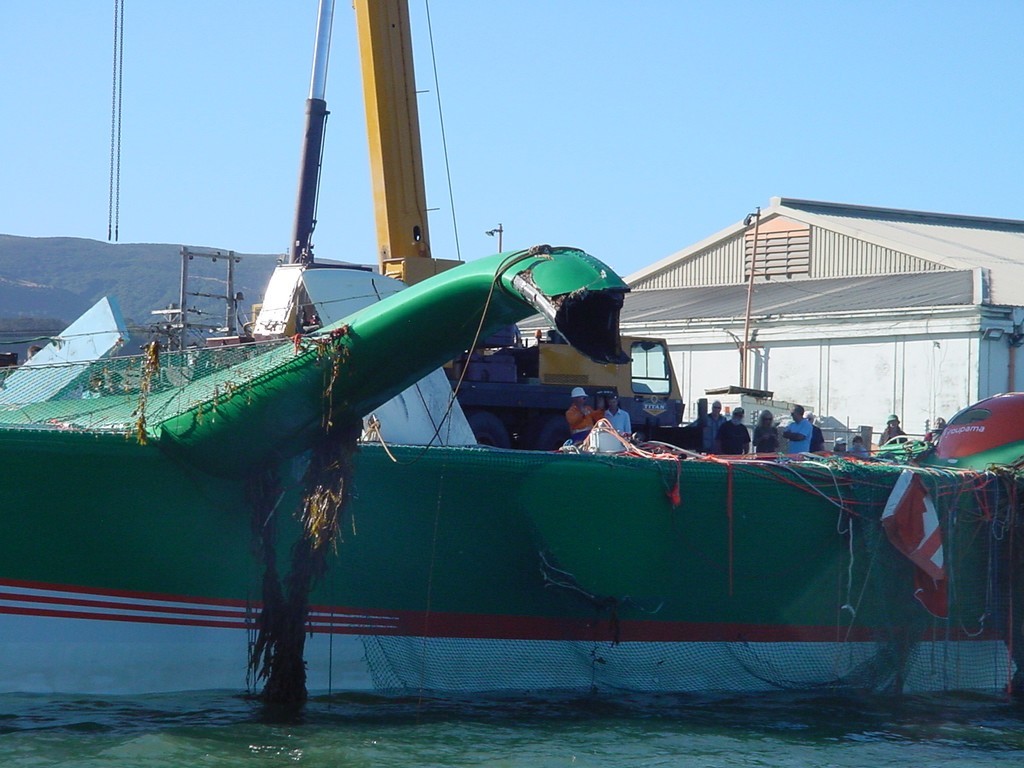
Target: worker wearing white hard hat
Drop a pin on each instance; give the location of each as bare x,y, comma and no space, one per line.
581,416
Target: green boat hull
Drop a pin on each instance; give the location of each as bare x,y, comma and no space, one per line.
476,569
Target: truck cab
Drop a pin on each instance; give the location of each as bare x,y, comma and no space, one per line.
515,391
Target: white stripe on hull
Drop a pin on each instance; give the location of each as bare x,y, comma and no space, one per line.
131,607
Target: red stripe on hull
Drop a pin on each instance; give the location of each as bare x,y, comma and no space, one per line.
174,610
356,621
478,626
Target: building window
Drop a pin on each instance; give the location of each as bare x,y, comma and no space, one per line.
650,368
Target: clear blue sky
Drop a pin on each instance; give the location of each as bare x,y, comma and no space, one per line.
630,129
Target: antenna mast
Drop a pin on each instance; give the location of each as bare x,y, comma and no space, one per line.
301,251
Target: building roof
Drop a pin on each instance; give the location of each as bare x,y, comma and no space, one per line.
792,297
923,240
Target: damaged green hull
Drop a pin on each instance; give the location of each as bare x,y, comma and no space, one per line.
361,362
444,584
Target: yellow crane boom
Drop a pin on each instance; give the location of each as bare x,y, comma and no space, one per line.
392,127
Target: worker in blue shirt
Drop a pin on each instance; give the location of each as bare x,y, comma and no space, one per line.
617,417
799,432
710,424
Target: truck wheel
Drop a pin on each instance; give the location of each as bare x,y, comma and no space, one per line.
488,429
548,433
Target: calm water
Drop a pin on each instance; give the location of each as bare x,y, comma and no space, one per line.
215,729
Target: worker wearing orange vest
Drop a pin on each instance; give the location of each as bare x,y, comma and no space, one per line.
581,416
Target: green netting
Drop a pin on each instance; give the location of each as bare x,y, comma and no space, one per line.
766,576
113,393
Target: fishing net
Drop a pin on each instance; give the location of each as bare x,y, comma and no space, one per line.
116,393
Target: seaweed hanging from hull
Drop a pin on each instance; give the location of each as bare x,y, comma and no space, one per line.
277,653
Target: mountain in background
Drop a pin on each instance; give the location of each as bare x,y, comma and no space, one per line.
47,280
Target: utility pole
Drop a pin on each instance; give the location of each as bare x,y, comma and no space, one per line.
498,230
745,346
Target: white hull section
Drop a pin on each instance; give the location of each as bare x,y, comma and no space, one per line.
103,657
55,655
121,657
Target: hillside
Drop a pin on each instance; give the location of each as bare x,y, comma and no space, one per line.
57,278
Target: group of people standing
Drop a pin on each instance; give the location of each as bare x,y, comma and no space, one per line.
729,435
722,435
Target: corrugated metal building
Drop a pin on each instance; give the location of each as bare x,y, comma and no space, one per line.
854,311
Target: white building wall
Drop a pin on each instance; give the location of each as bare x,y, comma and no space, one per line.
1000,363
860,377
850,372
696,366
994,365
938,379
792,370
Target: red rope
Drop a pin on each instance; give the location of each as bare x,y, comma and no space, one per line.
728,512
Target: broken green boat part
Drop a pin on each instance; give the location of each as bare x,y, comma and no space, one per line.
355,365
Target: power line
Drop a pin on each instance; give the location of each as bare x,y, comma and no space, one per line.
114,191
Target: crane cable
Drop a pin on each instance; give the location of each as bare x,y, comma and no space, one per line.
444,141
114,193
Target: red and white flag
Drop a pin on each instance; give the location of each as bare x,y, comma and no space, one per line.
912,524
